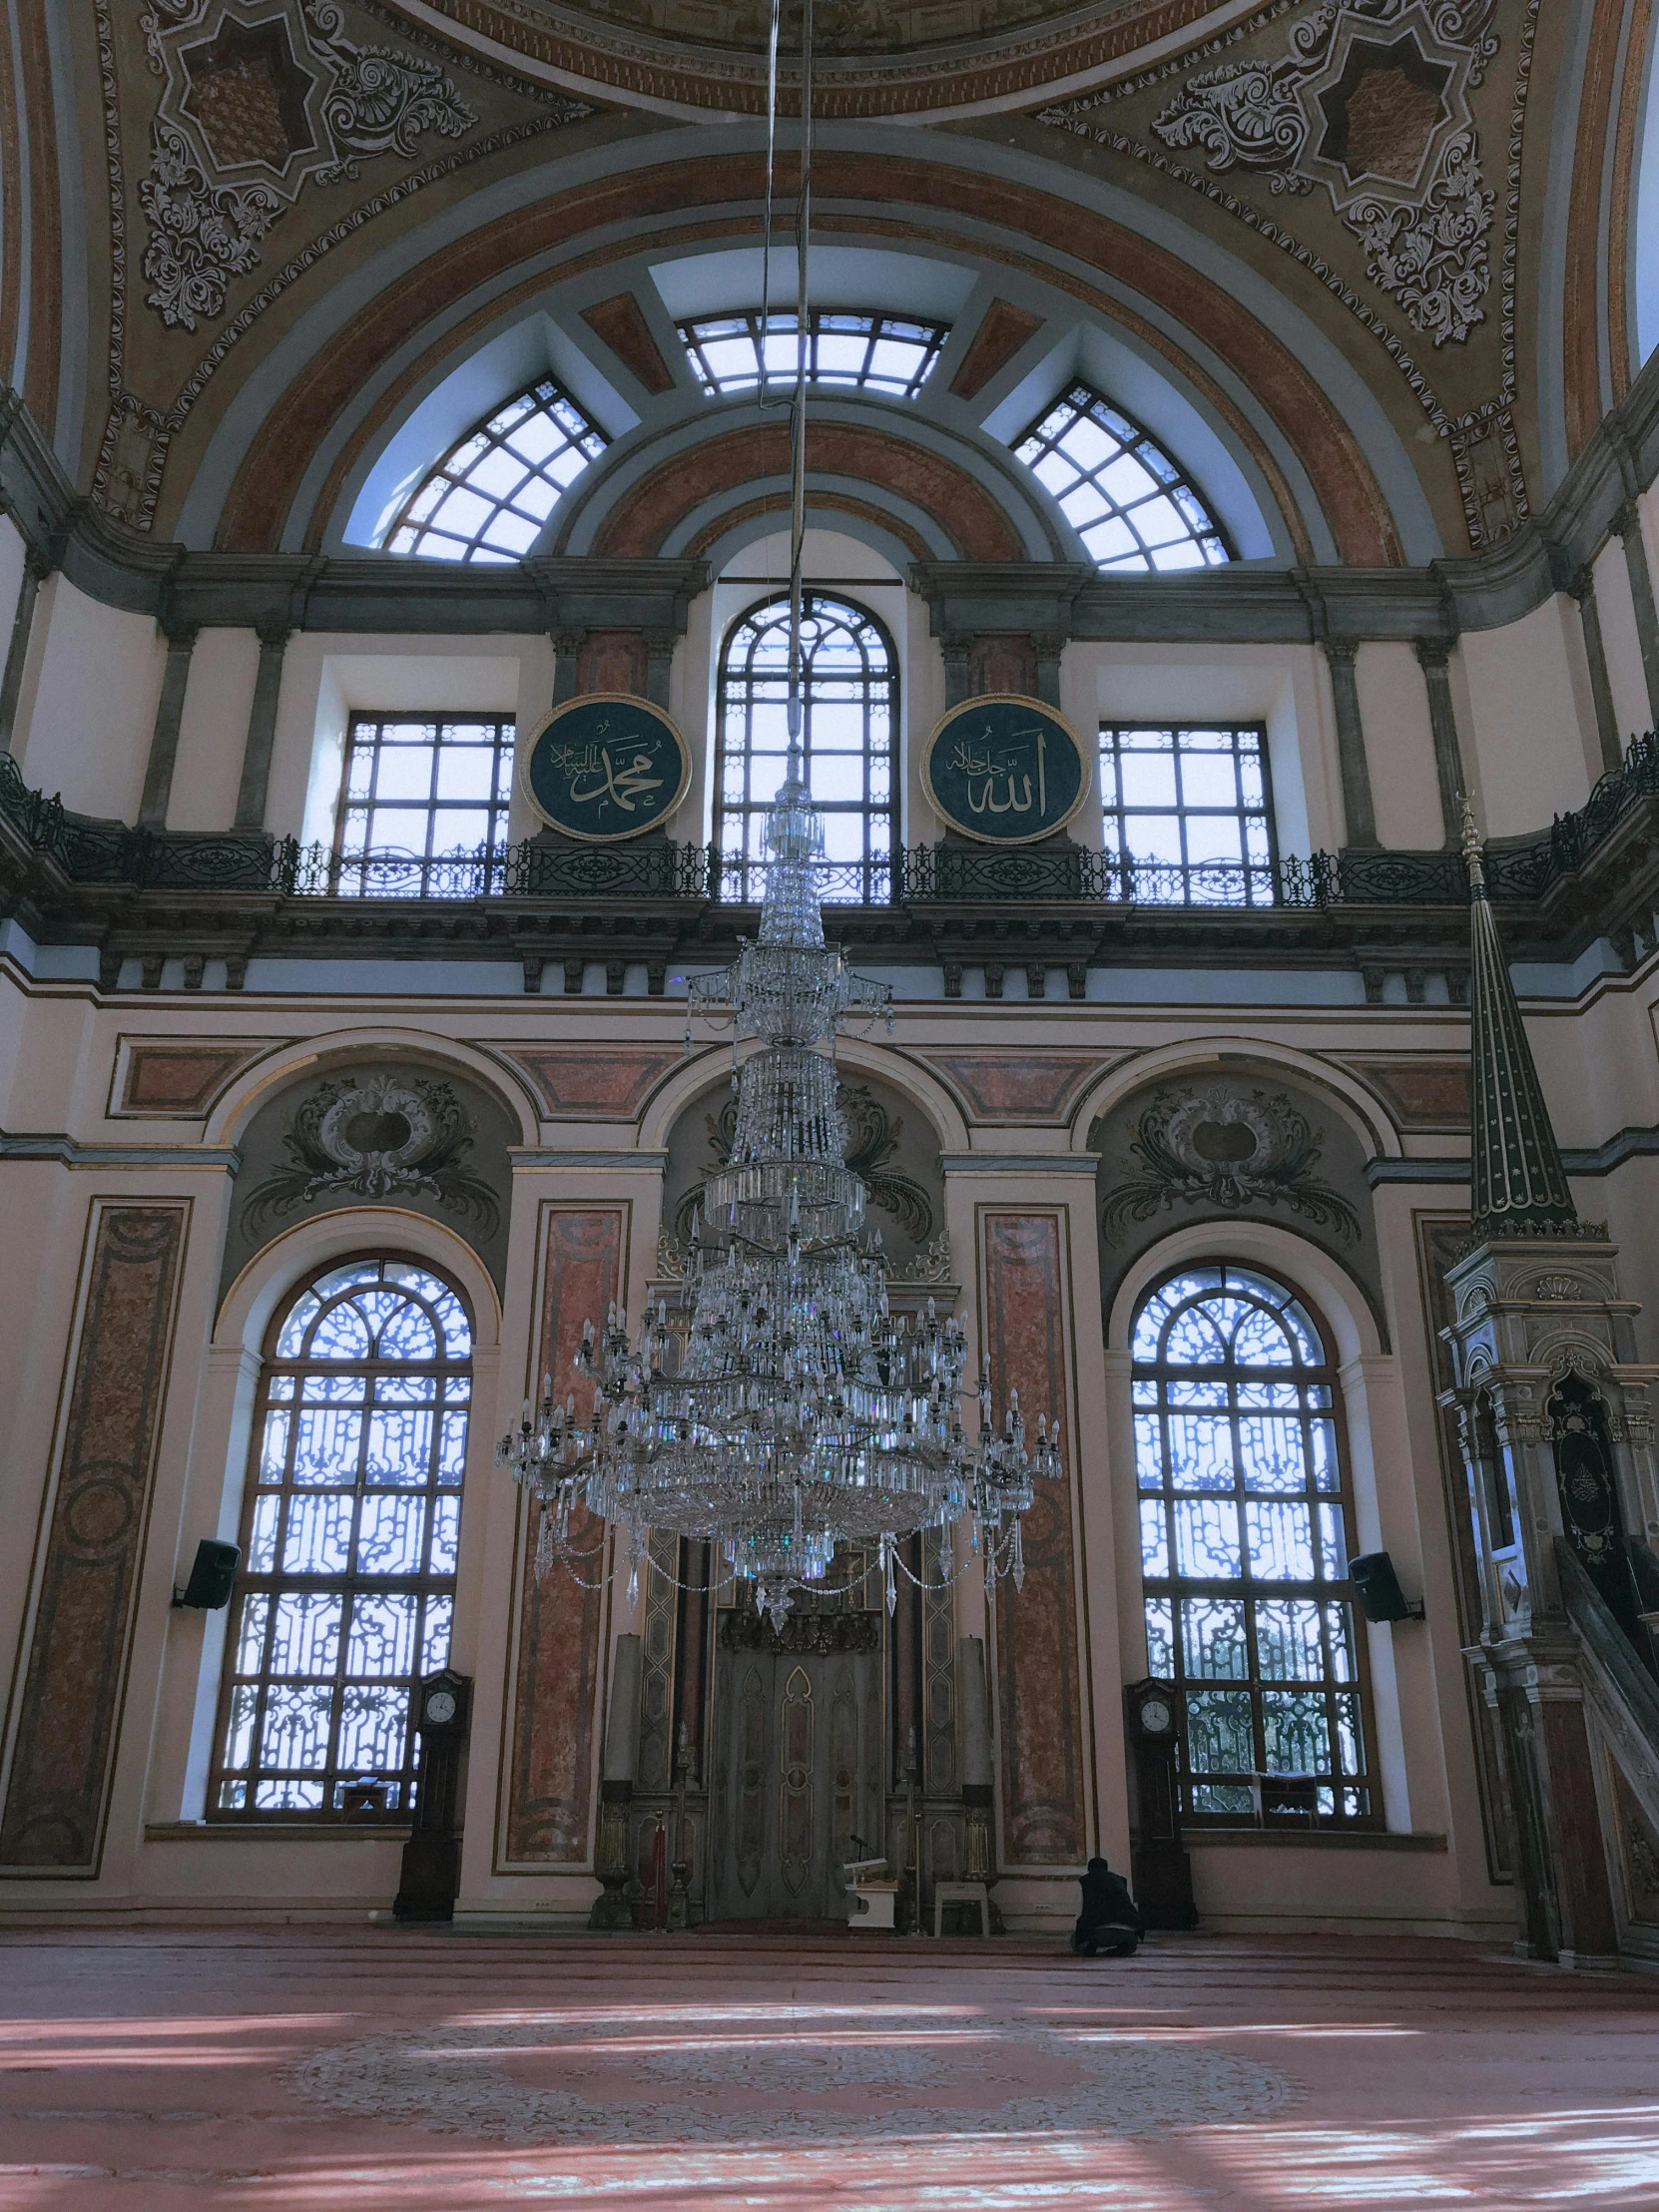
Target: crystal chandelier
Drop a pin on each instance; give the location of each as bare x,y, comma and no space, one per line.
797,1411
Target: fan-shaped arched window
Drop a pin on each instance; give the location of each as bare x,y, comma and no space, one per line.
1245,1524
490,496
348,1539
848,707
889,353
1119,489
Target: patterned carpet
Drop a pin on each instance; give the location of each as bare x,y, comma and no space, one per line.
432,2072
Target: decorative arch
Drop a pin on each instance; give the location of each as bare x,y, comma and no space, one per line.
1199,1056
242,1099
269,474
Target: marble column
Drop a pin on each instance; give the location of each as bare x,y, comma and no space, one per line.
163,738
1358,815
262,728
35,573
1629,527
1434,659
1584,589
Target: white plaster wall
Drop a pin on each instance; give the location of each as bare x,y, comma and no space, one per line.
11,578
1285,686
1620,642
212,729
1400,745
326,676
88,707
1524,737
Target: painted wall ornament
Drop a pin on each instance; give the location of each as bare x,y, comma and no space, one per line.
1005,769
1230,1149
379,1136
256,102
605,766
1372,103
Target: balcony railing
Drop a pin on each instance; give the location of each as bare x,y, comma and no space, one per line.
96,853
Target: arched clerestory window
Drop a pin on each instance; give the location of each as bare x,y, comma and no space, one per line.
1129,502
1246,1526
850,707
490,495
349,1537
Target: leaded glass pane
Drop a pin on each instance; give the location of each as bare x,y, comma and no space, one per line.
346,1592
522,457
1238,1467
1117,485
889,353
1189,809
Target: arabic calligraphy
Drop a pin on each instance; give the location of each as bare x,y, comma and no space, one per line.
597,776
1005,769
606,766
987,766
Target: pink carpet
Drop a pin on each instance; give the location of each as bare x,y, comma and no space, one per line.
427,2072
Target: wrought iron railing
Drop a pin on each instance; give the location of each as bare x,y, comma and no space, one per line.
102,854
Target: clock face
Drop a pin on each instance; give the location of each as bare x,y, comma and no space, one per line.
1156,1716
440,1707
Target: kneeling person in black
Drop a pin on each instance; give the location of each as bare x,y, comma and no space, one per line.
1110,1921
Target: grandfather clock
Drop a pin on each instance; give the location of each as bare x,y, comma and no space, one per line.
432,1856
1162,1875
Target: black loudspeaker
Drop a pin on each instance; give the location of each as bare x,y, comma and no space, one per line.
212,1578
1377,1587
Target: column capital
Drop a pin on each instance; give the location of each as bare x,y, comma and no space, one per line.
1433,652
274,633
1339,652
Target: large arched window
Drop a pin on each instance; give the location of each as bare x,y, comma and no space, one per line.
1245,1522
1117,487
849,708
348,1539
490,496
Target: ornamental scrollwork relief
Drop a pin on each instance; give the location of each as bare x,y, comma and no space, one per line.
1226,1148
377,1136
253,107
1372,103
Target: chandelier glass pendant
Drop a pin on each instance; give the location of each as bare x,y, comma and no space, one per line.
795,1411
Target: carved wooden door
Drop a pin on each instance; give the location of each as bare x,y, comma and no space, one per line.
798,1773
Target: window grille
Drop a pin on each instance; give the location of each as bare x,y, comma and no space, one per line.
349,1536
886,353
1118,488
1246,1521
1188,811
849,710
423,806
490,495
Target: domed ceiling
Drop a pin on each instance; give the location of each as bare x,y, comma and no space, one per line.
874,58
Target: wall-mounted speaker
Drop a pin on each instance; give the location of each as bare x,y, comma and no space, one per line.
212,1578
1377,1586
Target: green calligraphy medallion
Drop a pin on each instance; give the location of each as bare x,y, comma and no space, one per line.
605,766
1005,769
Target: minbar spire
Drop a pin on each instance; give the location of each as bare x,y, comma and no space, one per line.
1518,1183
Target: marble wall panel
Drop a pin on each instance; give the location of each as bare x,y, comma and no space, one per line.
552,1748
1039,1670
74,1674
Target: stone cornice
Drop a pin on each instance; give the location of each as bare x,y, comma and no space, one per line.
1248,603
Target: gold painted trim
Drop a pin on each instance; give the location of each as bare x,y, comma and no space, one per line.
1004,699
591,699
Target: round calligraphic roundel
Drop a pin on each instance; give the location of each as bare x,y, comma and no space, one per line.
605,766
1005,769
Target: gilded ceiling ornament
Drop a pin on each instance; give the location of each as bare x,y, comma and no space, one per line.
1372,103
1229,1149
253,107
376,1137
